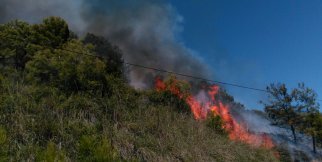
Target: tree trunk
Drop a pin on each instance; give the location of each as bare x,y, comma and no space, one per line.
294,134
313,143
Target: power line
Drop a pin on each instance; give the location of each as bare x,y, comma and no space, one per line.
172,72
178,74
194,77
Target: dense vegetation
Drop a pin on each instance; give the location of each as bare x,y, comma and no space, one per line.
59,103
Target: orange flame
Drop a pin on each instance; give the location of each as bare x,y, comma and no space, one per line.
236,131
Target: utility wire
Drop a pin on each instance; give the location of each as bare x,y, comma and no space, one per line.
176,73
172,72
194,77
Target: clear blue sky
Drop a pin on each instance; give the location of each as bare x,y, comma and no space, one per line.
256,42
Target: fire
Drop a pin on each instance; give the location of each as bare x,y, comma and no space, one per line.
236,131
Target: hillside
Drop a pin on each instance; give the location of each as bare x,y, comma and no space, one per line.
67,99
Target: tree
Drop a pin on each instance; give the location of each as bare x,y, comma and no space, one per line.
318,127
19,41
53,32
281,107
67,70
14,38
307,103
105,49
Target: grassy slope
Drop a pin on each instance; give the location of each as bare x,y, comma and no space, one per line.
161,134
42,123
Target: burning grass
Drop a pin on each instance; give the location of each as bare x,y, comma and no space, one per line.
159,133
202,109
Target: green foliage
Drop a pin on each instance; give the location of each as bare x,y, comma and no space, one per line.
215,122
282,107
167,98
307,103
52,33
52,154
69,71
19,41
3,136
2,82
3,144
92,148
111,53
14,38
174,94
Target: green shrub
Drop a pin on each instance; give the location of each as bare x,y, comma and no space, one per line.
3,144
51,154
92,148
3,136
167,98
216,123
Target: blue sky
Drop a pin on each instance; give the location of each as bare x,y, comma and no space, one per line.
256,42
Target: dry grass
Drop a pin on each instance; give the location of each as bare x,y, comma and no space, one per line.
161,134
38,123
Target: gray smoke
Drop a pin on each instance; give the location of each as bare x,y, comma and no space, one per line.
258,124
33,11
145,30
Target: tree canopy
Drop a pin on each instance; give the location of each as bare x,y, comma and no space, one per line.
297,108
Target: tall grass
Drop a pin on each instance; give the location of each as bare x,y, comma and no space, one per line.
41,123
